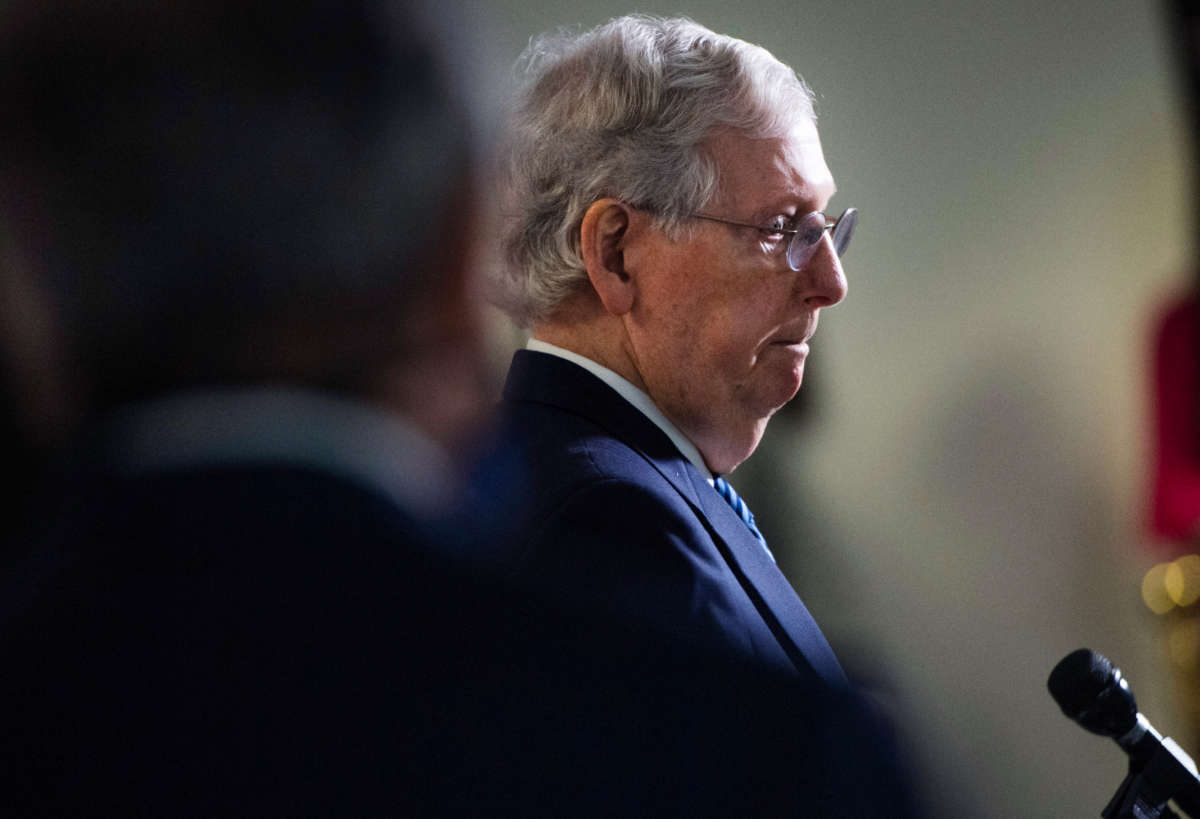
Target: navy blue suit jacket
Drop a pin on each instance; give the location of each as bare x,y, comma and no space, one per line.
620,522
263,639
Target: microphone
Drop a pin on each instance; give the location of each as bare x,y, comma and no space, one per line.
1093,693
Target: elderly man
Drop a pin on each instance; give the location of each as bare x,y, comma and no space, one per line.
668,247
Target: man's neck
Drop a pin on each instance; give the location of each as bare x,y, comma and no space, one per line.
595,339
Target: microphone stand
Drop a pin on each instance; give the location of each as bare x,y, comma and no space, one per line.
1137,799
1162,772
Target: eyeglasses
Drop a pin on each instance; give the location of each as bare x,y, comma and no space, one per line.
806,235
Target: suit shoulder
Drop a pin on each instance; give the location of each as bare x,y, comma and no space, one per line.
562,449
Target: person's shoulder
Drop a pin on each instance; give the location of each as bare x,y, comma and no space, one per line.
561,447
225,526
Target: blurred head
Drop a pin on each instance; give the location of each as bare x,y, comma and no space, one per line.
243,192
621,136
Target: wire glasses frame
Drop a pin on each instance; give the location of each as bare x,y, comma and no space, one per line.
806,235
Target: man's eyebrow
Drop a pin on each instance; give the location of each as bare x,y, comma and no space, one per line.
797,204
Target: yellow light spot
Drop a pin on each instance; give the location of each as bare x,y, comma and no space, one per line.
1182,580
1173,583
1183,644
1154,590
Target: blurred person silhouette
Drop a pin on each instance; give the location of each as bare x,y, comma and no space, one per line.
33,406
248,222
256,228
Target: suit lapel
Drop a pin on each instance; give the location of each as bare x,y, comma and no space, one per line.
778,602
543,378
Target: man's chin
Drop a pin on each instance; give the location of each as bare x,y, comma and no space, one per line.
783,389
781,370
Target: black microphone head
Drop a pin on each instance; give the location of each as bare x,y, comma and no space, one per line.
1092,692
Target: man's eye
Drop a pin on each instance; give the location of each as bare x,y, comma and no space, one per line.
772,237
778,224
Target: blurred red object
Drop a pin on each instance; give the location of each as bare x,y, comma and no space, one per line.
1175,500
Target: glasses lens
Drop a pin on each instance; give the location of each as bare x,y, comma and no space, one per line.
844,229
804,243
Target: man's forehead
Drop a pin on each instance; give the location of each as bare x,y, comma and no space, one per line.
787,171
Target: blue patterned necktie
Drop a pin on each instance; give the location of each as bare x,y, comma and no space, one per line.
743,511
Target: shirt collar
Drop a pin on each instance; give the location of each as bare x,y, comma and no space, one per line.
643,402
297,427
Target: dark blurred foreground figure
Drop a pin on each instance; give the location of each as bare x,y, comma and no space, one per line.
29,399
255,224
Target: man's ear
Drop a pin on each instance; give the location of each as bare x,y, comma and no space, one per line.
602,244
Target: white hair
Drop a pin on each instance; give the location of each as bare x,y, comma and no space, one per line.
623,110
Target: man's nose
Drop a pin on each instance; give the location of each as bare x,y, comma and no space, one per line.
822,282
